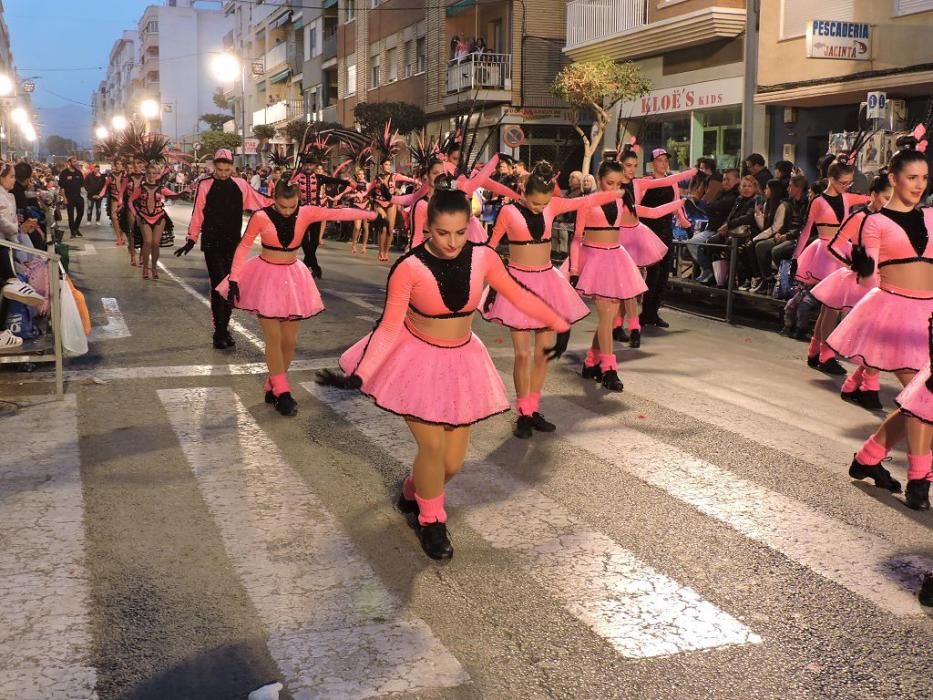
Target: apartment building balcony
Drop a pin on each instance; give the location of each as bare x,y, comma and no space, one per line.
329,114
490,73
149,40
623,29
279,113
329,46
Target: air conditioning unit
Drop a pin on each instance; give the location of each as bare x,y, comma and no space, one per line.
895,115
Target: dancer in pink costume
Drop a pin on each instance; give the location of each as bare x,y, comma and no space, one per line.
600,267
815,262
148,201
275,286
423,362
841,290
527,224
887,329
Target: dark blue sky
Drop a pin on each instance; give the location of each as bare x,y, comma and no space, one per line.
67,34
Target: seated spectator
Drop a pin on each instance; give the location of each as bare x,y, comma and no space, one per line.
769,217
740,224
755,164
717,211
589,184
783,171
707,166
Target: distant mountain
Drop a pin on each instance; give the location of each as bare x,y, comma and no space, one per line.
69,121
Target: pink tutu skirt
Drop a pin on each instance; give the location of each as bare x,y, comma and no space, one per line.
840,290
453,386
915,399
642,244
886,331
609,273
286,292
817,263
551,286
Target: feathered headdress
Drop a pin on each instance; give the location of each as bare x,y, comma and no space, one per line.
131,140
152,148
108,148
354,147
278,158
422,153
387,144
318,150
463,136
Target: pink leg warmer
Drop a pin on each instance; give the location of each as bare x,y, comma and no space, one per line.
592,358
871,452
634,324
852,381
525,405
268,385
431,509
535,397
919,466
617,322
408,488
279,384
814,348
826,353
871,382
607,361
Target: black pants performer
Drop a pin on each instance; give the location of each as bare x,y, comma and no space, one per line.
309,245
656,279
75,213
92,204
219,260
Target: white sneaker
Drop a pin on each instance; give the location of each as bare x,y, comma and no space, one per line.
22,292
10,342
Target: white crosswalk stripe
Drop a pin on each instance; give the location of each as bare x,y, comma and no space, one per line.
640,611
116,325
333,629
45,637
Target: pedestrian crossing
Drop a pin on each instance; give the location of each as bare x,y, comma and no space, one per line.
333,627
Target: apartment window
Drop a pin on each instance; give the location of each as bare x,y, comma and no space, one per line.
312,45
498,38
909,7
391,65
351,75
373,72
152,27
422,55
349,10
409,59
795,14
375,3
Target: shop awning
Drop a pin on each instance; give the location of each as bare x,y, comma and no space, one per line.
327,4
281,20
460,6
298,23
280,77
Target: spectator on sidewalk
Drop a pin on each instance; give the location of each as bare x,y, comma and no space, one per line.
93,184
72,181
718,211
755,164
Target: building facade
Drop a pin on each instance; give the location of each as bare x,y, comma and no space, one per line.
693,51
818,62
117,89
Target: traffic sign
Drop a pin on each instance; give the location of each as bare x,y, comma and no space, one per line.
513,136
29,86
877,105
197,146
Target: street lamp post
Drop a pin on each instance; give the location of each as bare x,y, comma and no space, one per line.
150,110
7,89
226,67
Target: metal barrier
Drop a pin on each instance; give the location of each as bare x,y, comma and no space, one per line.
681,255
55,317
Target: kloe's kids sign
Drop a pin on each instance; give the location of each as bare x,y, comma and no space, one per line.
712,93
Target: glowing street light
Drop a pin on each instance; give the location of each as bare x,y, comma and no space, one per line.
149,109
119,122
225,67
19,116
6,85
29,132
101,132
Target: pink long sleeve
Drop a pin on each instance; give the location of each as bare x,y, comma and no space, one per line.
817,207
562,205
657,212
848,233
643,184
253,200
500,190
407,200
253,229
310,214
523,299
420,221
197,214
473,183
501,225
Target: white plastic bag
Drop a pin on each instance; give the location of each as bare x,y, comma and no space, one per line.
721,272
74,342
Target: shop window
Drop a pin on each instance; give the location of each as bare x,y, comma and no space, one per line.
795,14
719,133
672,133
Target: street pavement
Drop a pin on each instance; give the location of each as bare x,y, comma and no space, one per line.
165,534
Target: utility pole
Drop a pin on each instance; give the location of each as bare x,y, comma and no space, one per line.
751,77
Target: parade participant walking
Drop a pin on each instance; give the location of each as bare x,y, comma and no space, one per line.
71,181
815,262
888,329
527,224
218,214
148,202
115,186
93,186
355,196
276,289
423,363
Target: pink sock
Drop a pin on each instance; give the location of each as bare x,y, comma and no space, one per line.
814,348
431,510
535,397
871,452
826,353
408,488
268,385
919,466
852,381
617,322
279,384
525,405
592,358
634,324
607,361
871,382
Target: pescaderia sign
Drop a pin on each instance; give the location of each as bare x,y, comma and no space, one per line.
849,41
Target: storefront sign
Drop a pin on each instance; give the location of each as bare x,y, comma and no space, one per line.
539,114
877,105
713,93
850,41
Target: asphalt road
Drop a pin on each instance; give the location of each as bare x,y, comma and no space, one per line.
164,534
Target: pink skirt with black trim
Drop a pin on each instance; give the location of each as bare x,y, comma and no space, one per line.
609,273
887,331
840,291
915,399
285,292
817,263
551,286
455,386
642,244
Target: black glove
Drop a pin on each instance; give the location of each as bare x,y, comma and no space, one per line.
316,272
559,347
327,377
233,292
574,279
490,300
185,249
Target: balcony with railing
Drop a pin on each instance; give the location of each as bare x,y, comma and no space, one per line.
279,56
329,46
486,71
279,112
593,20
